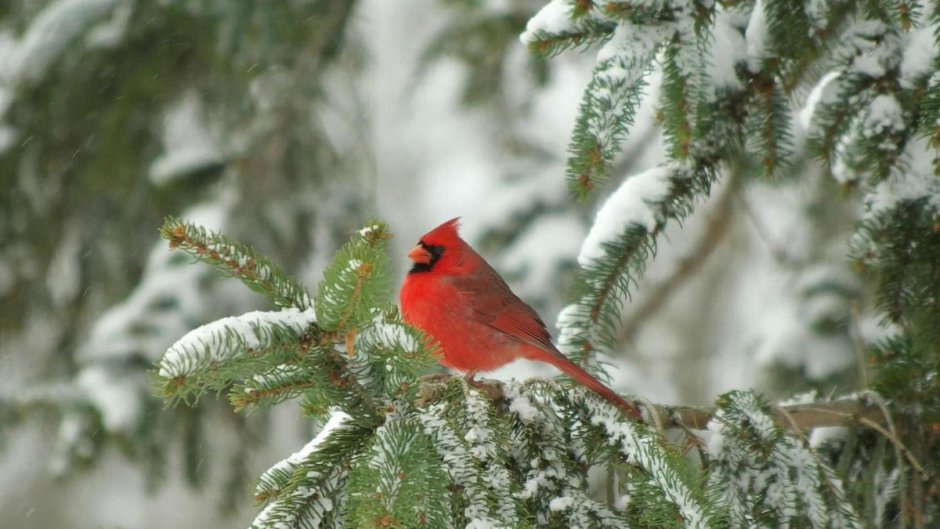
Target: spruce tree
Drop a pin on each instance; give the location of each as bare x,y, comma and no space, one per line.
838,99
112,116
401,451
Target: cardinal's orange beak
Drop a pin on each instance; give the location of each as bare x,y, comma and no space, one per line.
419,255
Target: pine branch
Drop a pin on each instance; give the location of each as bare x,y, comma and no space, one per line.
236,260
761,476
213,356
616,251
264,358
397,481
797,418
564,25
356,282
609,103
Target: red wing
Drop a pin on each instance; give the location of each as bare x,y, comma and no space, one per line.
494,304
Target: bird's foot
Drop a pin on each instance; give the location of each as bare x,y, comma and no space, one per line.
468,378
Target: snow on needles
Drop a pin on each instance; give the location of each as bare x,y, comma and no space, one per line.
51,33
337,419
554,18
213,342
628,205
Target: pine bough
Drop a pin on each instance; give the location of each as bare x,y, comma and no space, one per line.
388,459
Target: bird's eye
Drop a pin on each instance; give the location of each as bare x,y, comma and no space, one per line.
436,251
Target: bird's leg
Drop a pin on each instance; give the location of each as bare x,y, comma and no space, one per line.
468,378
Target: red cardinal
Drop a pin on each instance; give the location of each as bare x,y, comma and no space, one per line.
461,302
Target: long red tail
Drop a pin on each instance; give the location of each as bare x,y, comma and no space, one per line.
585,379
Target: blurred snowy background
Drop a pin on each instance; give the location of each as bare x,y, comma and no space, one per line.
287,125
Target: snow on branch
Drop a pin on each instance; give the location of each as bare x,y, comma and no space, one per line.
609,102
617,248
397,481
230,338
633,203
52,33
308,488
546,450
640,446
489,503
275,478
561,25
762,475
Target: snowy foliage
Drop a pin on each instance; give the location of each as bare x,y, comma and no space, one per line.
54,30
189,146
761,100
228,338
766,478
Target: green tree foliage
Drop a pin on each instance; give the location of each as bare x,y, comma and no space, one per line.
115,115
522,457
401,451
839,97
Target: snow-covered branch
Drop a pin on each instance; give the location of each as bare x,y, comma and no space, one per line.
849,411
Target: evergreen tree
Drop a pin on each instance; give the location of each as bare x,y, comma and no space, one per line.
520,455
112,116
835,100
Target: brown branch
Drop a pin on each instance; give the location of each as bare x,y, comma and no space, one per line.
795,417
780,254
842,412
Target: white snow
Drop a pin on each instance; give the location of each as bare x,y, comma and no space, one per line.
519,403
337,419
875,48
884,114
919,55
366,231
826,435
554,18
726,48
110,33
628,43
817,11
118,399
188,144
756,37
560,503
916,181
817,94
52,32
628,205
229,337
571,324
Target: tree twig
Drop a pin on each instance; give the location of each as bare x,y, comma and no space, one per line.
797,417
779,253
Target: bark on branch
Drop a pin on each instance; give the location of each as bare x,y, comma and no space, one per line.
796,417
